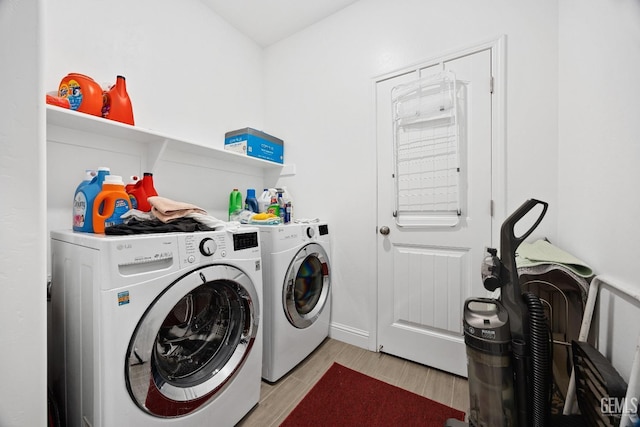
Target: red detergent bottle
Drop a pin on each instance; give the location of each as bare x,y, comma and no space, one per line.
129,188
147,183
143,189
117,103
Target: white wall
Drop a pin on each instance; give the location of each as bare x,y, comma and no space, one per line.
22,223
319,98
599,107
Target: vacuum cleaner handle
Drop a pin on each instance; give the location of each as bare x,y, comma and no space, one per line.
509,242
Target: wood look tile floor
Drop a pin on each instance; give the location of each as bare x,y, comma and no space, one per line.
278,399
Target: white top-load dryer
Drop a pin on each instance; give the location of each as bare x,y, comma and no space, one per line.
156,329
297,294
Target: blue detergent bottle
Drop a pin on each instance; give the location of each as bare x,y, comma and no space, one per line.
251,203
79,201
83,200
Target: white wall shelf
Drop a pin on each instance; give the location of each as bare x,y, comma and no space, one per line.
155,144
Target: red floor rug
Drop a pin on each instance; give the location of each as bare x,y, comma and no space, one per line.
344,397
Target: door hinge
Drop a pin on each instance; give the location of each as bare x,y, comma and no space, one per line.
491,84
491,208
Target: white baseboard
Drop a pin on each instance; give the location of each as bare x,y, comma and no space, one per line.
350,335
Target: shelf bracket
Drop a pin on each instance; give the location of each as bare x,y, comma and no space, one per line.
288,170
154,153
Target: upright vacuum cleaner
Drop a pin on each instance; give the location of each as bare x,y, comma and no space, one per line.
507,341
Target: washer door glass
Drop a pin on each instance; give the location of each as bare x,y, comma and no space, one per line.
192,341
306,286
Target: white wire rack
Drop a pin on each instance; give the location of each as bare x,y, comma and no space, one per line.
427,151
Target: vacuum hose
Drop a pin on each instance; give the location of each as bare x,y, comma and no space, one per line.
540,360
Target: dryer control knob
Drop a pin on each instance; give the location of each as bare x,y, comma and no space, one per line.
310,232
208,246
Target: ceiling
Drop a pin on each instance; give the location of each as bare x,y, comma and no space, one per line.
267,22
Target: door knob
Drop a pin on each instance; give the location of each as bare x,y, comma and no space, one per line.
384,230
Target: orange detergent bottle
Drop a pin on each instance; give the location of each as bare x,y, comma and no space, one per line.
110,204
117,103
82,92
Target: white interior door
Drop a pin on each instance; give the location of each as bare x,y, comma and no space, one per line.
427,270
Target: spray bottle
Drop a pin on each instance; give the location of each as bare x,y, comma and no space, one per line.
274,207
288,205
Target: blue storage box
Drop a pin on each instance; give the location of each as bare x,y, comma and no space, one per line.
254,143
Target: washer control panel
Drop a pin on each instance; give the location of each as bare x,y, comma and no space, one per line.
205,247
201,247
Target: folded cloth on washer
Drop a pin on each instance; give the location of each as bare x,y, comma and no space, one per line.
542,252
166,209
152,226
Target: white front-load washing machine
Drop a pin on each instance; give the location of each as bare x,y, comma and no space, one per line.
297,294
156,329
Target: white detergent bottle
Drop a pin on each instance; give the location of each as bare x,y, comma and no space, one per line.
264,201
